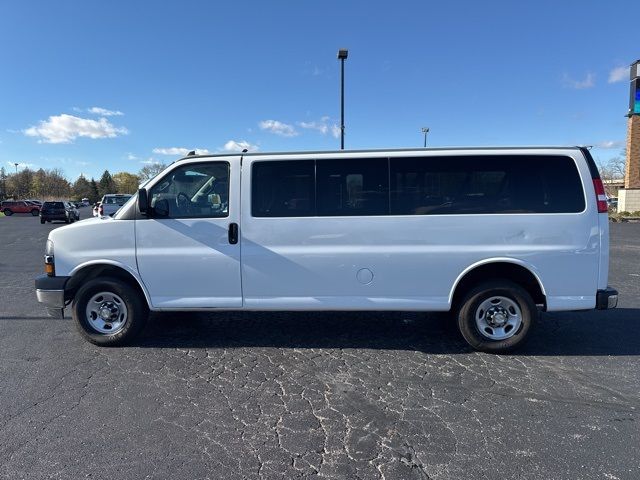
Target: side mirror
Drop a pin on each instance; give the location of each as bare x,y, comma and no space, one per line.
143,201
161,208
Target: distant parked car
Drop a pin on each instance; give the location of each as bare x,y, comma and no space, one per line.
19,206
85,202
111,203
612,202
64,211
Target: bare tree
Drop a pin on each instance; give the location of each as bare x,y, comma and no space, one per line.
612,172
150,170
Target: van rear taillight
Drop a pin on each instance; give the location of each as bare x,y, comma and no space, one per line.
601,198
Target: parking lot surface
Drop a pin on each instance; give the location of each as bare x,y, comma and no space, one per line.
305,395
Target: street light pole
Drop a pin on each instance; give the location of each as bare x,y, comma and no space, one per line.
342,56
16,164
425,130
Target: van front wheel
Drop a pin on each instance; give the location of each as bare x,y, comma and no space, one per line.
496,316
109,312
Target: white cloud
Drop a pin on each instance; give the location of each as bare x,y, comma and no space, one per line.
66,128
609,144
278,128
180,151
104,112
233,146
20,166
618,74
131,156
323,126
151,161
588,82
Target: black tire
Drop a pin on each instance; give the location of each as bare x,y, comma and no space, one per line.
473,300
42,220
35,212
137,311
8,212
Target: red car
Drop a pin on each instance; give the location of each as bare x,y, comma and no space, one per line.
19,206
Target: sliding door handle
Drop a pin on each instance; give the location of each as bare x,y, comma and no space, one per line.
233,233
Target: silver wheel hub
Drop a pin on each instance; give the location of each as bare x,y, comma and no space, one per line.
106,313
498,318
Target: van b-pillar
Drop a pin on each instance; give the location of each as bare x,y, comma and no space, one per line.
629,197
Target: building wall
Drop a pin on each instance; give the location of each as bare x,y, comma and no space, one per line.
632,175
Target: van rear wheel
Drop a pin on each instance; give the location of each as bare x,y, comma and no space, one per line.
109,312
496,316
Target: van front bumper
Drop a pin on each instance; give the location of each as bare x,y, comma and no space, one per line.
607,298
50,293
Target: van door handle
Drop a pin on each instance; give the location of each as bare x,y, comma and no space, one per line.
233,233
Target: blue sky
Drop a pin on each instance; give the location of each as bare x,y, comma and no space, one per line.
88,85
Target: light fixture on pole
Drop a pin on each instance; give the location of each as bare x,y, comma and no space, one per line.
425,130
16,164
342,56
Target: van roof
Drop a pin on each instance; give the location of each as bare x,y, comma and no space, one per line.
381,150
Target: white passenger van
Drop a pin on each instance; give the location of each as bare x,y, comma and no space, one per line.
492,234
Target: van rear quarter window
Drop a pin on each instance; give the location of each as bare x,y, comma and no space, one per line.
485,184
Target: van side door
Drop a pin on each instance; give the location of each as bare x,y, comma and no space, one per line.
187,248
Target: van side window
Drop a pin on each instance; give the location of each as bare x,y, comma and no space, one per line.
348,187
198,190
283,189
485,184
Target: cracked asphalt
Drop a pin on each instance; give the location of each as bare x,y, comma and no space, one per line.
306,395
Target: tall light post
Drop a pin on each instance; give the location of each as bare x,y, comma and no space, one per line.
342,56
16,164
425,130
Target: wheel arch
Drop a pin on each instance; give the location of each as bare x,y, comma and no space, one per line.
511,269
105,268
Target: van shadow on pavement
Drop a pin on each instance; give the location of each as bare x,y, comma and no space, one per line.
613,332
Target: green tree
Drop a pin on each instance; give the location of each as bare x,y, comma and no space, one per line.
21,183
106,184
126,182
3,183
94,194
81,188
39,184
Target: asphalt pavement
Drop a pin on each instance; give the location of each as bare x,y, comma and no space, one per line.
306,395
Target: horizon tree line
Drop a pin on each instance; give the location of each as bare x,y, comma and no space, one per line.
51,184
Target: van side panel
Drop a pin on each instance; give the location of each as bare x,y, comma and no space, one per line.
411,262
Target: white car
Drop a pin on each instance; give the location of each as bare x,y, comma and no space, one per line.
111,203
492,234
